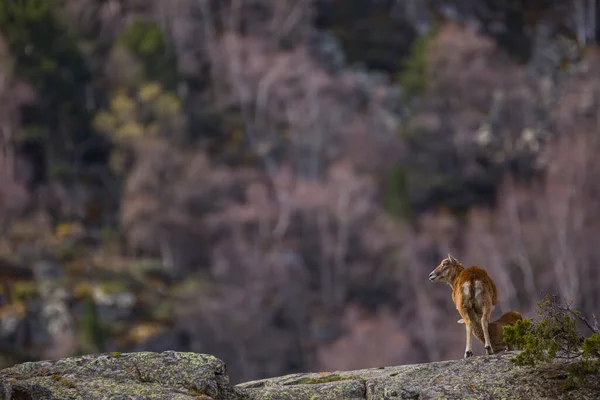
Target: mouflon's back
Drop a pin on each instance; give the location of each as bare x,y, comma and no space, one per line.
466,284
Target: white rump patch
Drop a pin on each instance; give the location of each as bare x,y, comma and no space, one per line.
467,289
479,289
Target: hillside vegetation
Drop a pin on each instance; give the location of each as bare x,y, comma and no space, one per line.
271,181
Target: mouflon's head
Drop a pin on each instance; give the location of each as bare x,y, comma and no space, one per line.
445,270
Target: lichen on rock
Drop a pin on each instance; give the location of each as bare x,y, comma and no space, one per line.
484,377
167,375
183,376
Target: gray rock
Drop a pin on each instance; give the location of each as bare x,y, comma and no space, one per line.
181,376
484,377
167,375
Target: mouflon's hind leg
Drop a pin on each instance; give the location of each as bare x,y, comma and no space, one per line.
485,318
469,332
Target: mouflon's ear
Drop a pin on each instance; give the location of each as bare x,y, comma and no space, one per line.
451,259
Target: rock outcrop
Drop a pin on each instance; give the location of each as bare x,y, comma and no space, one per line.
181,376
144,375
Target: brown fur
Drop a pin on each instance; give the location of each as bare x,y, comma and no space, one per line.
496,330
474,294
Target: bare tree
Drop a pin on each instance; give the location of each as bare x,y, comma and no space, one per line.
584,20
13,95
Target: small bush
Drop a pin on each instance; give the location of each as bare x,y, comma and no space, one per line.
555,335
91,328
397,198
150,111
147,42
143,38
413,76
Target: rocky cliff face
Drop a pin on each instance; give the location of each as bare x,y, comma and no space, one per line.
181,376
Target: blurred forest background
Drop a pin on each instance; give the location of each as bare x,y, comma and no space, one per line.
271,181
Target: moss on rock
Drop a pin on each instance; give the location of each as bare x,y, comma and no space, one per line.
167,375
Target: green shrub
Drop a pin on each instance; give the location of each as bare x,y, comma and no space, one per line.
147,42
413,76
92,330
144,38
555,335
39,42
397,198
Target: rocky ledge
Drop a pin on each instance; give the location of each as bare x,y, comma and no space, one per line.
183,376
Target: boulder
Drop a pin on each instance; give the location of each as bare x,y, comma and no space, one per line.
144,375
